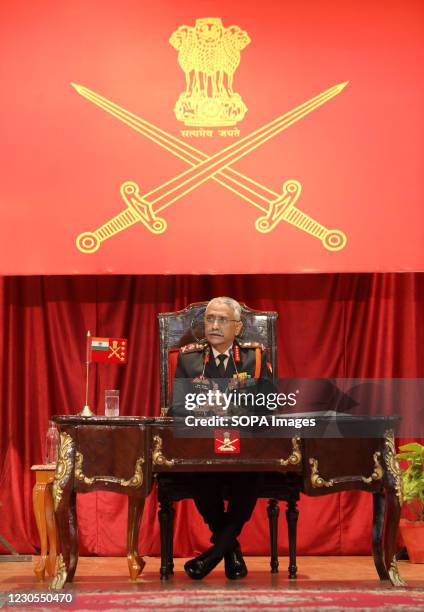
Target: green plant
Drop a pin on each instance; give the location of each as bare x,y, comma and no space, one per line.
413,476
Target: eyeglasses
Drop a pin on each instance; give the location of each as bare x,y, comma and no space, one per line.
210,319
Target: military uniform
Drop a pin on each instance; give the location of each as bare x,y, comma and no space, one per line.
197,371
197,366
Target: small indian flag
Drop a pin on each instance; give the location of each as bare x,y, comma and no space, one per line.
108,350
99,344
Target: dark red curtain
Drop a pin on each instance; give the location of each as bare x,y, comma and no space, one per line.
338,325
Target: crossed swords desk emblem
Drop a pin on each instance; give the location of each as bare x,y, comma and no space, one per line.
275,207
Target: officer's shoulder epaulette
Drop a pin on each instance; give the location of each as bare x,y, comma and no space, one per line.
193,348
252,345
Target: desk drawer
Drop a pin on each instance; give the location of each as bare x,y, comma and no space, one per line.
333,465
223,451
111,458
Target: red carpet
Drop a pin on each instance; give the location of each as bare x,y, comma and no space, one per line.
225,601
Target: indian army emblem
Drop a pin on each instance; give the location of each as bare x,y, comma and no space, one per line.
227,442
209,55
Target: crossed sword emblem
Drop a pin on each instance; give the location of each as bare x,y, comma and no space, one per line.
227,444
275,207
115,351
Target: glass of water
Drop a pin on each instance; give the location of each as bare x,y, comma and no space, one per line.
111,402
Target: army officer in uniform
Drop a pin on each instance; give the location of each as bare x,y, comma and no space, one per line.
221,356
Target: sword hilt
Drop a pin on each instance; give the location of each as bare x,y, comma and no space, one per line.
332,239
138,210
284,209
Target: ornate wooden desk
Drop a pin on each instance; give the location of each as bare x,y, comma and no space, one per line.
123,454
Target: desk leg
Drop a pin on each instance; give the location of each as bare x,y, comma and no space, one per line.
379,507
64,498
273,512
393,488
292,514
166,522
390,536
66,518
39,501
135,512
170,544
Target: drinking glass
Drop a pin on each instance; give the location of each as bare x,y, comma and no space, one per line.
111,403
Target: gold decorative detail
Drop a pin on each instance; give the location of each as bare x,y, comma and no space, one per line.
135,481
63,467
276,206
393,464
61,574
209,55
317,480
395,577
296,455
158,457
378,470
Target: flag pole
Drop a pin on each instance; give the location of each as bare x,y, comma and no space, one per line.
86,411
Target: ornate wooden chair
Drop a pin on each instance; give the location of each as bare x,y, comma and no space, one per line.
183,327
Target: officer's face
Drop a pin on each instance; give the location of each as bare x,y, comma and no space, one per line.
220,326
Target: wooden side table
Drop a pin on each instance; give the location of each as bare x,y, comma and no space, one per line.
44,515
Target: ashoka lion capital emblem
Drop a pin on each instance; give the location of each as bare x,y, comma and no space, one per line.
209,55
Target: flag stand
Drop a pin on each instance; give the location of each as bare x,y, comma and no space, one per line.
86,411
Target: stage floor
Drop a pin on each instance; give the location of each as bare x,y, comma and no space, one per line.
106,574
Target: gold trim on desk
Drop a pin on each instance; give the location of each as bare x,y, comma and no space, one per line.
296,456
135,481
395,577
393,464
158,457
318,481
60,576
63,467
378,470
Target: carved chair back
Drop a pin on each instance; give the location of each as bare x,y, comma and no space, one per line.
185,326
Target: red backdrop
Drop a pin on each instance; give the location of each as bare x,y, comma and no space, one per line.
347,325
358,157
